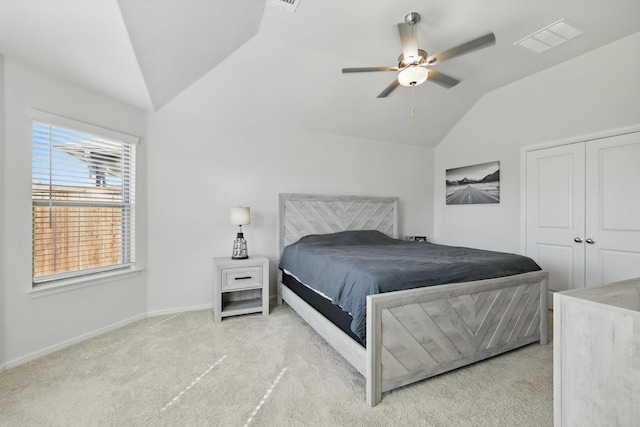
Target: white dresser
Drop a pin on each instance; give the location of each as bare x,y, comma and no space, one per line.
596,356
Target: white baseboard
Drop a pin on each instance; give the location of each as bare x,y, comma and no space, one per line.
272,302
53,348
178,310
56,347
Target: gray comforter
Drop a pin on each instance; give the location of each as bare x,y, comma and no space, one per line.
349,265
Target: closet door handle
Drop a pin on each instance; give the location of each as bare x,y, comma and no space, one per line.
577,240
590,241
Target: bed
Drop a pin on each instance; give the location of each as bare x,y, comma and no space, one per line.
411,334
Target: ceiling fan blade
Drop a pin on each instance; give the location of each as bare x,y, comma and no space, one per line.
389,89
409,40
442,79
366,69
470,46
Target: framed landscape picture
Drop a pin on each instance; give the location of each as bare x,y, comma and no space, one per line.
473,184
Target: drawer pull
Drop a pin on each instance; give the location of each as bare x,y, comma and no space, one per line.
242,278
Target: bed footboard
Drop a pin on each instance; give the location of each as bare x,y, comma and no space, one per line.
419,333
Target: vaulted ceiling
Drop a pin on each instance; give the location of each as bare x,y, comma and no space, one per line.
284,68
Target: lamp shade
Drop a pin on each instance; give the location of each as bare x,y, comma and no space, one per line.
240,216
413,75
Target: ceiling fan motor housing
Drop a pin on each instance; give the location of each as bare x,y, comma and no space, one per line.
422,58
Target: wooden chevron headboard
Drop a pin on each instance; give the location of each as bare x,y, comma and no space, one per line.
303,214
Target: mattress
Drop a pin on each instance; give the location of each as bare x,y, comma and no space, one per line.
347,266
322,305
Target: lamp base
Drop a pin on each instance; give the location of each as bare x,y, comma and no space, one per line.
240,248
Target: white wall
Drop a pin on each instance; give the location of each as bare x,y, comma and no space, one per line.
2,270
201,164
589,94
36,324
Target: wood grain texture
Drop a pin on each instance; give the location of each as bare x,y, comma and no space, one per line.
303,214
417,333
427,338
595,356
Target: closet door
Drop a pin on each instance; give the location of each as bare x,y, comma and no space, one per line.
612,237
555,221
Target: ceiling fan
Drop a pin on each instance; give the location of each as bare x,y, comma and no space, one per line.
414,64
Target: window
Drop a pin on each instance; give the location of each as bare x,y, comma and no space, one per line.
83,195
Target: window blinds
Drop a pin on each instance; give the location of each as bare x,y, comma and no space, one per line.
83,193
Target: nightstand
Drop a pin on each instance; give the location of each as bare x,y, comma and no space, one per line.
240,286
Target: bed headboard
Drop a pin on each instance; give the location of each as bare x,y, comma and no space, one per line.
303,214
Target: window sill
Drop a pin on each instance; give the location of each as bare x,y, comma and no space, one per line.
75,283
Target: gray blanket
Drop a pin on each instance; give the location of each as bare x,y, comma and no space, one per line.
349,265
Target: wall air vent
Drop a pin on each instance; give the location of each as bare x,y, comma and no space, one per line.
550,36
288,5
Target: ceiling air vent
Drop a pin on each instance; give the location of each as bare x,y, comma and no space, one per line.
550,36
288,5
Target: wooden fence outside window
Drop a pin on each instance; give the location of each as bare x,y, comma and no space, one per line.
75,236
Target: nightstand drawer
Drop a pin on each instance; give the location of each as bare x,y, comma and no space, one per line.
241,278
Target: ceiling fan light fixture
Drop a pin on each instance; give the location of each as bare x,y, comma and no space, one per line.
413,75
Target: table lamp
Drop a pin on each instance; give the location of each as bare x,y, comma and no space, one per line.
240,216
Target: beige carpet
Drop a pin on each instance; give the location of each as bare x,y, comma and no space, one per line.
184,370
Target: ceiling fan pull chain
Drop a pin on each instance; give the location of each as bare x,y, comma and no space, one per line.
413,101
